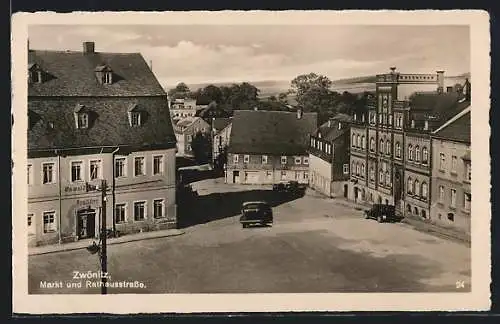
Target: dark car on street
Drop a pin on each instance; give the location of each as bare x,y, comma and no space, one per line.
256,213
291,187
382,213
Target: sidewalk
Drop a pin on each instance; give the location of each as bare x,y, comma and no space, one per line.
37,250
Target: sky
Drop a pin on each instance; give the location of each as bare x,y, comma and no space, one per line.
237,53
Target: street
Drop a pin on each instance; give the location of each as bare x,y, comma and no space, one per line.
315,245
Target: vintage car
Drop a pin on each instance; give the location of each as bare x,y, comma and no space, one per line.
256,213
382,213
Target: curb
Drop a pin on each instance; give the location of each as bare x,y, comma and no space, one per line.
66,249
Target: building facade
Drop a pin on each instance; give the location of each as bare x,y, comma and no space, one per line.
451,173
181,108
97,116
390,145
221,130
329,157
185,130
268,147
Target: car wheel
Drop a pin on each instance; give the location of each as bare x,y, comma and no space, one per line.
379,219
367,216
244,225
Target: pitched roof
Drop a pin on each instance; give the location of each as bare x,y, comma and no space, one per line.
330,130
52,123
221,123
271,132
458,128
74,74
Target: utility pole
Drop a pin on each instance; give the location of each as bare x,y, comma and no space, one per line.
104,261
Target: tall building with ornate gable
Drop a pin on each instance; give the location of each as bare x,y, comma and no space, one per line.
95,116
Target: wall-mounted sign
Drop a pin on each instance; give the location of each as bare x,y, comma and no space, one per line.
75,188
94,202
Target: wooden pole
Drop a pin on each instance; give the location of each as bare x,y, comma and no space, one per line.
104,265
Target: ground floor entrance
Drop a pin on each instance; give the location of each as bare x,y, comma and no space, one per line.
86,223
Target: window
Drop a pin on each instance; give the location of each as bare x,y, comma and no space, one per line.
353,144
298,160
454,164
467,172
157,164
120,213
48,173
425,155
158,208
441,194
467,198
453,194
95,169
312,142
358,141
139,210
363,142
372,117
372,174
139,166
398,150
269,174
381,147
135,119
345,168
264,159
49,222
358,169
120,170
82,120
372,144
76,171
246,158
388,178
388,147
353,168
362,170
409,185
416,186
442,161
188,138
283,160
417,154
381,177
320,145
31,226
451,217
423,213
283,175
297,175
306,175
390,120
107,78
424,190
235,158
305,160
410,152
29,176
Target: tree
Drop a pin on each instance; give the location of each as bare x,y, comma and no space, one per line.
212,92
312,91
283,97
272,98
201,145
180,91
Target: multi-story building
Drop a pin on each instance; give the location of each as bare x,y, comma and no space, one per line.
268,147
221,132
95,116
181,108
390,153
185,129
451,173
329,157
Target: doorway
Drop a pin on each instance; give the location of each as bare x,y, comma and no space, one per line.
86,223
345,191
236,176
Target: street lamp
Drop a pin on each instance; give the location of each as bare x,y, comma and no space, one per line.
101,247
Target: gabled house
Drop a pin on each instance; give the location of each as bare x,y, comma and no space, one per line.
185,130
97,116
329,157
221,132
267,147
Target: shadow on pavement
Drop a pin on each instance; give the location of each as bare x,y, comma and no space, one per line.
207,208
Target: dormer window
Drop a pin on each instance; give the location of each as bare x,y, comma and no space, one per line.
35,74
81,117
104,74
134,116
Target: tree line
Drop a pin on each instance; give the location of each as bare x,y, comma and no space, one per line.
311,92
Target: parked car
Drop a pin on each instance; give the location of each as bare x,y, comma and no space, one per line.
382,213
280,187
256,213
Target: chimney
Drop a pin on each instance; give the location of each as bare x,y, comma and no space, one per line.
299,113
440,81
88,47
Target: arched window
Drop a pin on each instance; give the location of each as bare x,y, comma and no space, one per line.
358,169
353,168
410,152
358,141
398,150
416,186
363,142
353,144
381,147
408,208
424,190
415,210
381,176
372,174
425,155
388,147
417,154
362,170
423,213
388,178
372,144
409,185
